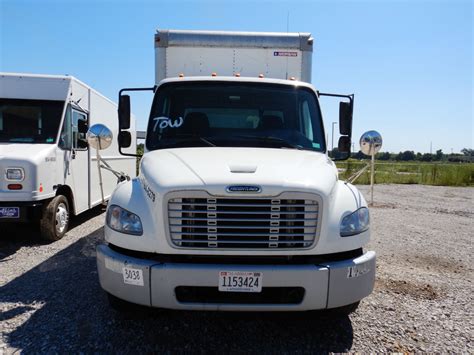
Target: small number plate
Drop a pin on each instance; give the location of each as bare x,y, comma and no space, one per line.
132,276
9,212
240,281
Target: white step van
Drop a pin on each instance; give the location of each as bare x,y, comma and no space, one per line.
237,206
47,170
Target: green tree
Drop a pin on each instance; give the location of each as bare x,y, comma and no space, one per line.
427,157
468,152
408,155
383,156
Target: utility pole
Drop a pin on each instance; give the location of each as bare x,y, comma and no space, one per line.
431,147
332,139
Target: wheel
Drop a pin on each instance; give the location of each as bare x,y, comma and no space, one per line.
55,220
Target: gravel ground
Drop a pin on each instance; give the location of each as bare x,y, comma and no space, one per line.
51,301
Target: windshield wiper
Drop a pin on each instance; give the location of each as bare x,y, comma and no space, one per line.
185,137
268,139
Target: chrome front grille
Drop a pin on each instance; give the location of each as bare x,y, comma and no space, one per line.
249,223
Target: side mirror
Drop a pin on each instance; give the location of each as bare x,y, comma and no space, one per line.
344,144
343,150
99,136
82,144
124,112
345,118
124,139
82,126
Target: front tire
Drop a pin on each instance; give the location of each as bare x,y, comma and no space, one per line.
55,220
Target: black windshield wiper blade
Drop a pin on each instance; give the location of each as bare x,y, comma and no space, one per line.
193,137
267,139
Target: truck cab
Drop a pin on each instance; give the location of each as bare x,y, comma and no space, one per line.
237,205
45,161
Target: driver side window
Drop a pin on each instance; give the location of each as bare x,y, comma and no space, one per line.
79,130
65,139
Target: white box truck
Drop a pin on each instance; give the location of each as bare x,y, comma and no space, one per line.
48,172
237,205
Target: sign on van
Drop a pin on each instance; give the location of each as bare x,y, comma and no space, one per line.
285,54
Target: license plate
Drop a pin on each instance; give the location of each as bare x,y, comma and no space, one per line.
132,276
9,212
240,281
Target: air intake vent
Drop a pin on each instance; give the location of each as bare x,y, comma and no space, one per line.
248,223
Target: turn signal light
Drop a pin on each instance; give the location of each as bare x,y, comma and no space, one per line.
15,186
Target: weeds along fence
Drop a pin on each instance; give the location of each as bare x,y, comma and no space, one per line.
440,174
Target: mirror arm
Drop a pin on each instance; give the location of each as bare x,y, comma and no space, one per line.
350,97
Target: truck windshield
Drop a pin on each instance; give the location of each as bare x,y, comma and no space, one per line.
29,121
229,114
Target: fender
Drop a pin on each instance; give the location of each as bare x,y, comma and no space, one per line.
137,197
345,199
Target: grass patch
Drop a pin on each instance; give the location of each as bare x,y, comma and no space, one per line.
440,174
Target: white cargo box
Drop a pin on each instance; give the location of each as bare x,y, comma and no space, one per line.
248,54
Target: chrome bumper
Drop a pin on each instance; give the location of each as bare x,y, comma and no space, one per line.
327,285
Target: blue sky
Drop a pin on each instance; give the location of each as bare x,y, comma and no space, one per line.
409,63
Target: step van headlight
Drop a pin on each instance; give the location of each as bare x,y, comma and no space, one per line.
123,221
14,174
355,223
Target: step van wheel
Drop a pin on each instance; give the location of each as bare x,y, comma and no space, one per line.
55,221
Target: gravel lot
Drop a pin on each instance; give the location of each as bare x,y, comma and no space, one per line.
50,298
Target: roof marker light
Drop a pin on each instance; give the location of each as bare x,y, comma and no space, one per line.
237,75
214,74
292,78
181,75
260,76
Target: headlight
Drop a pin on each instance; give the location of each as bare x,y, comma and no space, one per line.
355,223
14,174
123,221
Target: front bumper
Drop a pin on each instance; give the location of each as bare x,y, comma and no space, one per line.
28,211
327,285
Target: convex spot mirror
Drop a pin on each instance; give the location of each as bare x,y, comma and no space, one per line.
370,142
99,136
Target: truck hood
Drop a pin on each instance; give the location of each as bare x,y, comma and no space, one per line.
27,152
37,163
215,168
